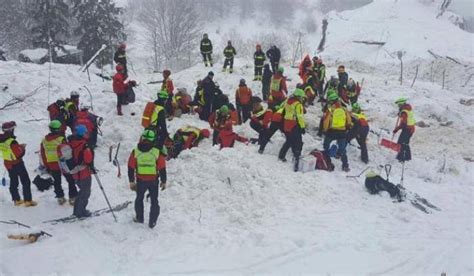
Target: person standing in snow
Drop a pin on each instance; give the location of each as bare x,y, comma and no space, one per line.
2,55
206,50
120,86
406,122
49,157
336,122
229,53
72,106
261,118
259,60
278,89
120,57
12,154
146,165
243,100
274,56
266,80
83,157
343,78
209,89
359,131
320,70
158,119
168,86
294,127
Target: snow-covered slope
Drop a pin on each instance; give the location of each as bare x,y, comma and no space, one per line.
234,211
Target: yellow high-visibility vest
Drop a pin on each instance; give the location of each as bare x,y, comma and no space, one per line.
6,150
146,161
50,149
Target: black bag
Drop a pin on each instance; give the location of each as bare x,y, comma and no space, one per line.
130,95
43,184
376,183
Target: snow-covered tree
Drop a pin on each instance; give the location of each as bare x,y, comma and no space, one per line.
98,23
14,27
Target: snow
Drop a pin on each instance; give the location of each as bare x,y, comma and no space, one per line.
234,211
35,55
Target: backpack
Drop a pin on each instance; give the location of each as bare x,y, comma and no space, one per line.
130,95
67,162
147,113
377,184
43,184
322,163
53,110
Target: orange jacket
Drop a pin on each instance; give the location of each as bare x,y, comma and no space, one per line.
243,95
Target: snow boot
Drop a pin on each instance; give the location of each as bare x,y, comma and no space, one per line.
61,201
152,225
119,111
30,203
18,202
346,169
72,200
136,220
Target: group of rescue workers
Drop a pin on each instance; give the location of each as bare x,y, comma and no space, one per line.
343,120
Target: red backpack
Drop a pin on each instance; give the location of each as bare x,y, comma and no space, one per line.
322,163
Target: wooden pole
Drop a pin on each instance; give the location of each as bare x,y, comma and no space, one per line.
416,75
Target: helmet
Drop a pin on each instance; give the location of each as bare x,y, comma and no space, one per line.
333,97
224,109
60,103
258,46
149,135
122,45
341,69
205,133
315,58
356,107
242,81
119,67
204,36
166,72
8,126
299,93
74,94
401,101
55,125
210,73
370,174
229,42
81,130
281,69
163,94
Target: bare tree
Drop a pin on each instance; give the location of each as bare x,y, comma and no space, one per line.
171,28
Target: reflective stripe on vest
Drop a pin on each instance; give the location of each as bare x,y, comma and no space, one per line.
146,161
275,84
294,112
6,150
410,117
50,149
338,121
154,116
186,131
359,116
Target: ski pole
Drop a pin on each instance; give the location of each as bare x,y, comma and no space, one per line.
388,169
105,196
396,124
355,176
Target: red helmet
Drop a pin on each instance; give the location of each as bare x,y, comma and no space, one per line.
205,133
8,126
258,46
119,67
122,45
166,72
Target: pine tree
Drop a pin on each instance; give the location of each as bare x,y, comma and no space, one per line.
98,24
50,24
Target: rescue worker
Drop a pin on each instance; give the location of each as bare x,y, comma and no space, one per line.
276,124
91,122
309,87
293,127
120,57
406,123
319,70
146,166
278,89
261,118
219,121
199,102
209,89
58,112
336,122
49,157
243,100
229,53
359,131
158,120
266,81
181,102
304,68
83,156
259,60
12,154
188,137
274,55
343,78
168,86
206,50
120,85
353,90
72,106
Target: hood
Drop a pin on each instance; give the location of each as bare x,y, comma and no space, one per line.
5,136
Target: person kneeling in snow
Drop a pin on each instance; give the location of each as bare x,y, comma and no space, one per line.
148,163
261,118
188,137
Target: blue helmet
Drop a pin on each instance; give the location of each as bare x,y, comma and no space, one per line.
81,130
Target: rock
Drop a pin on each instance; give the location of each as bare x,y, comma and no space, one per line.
448,123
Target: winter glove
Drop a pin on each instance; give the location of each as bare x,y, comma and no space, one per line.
395,131
163,185
133,186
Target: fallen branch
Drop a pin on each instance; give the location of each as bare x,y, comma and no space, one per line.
369,42
468,79
433,54
414,79
452,59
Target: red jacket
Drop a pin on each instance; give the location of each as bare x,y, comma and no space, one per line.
119,83
220,123
264,119
53,166
132,164
18,151
82,155
168,86
243,95
403,119
278,96
83,118
227,138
